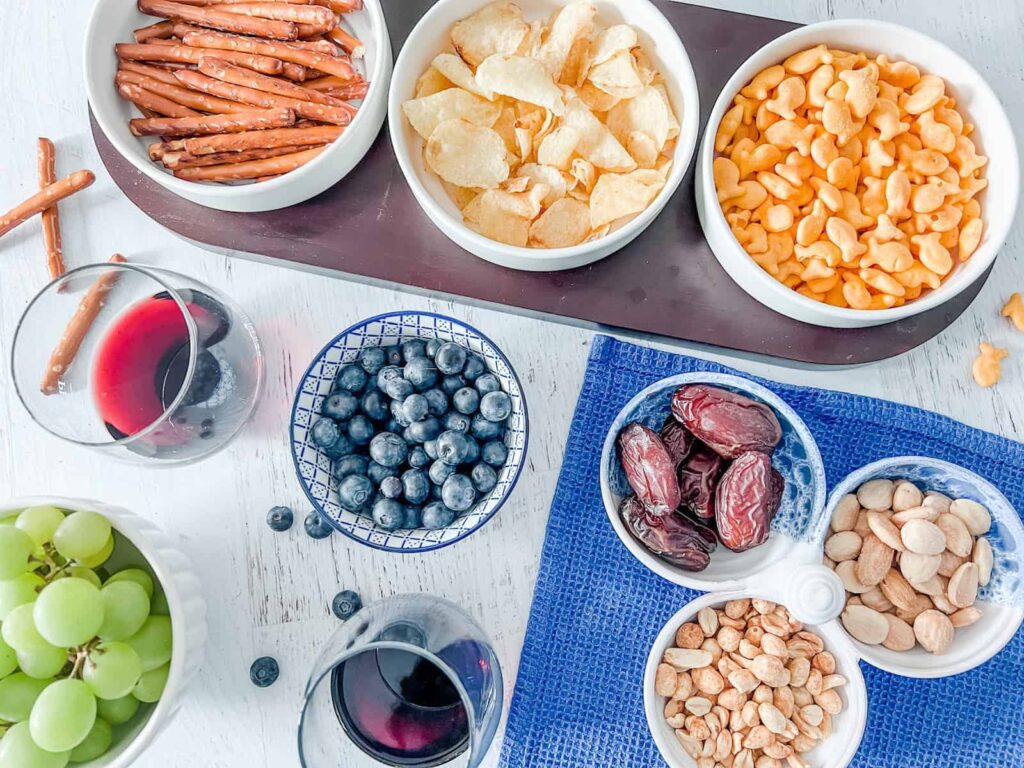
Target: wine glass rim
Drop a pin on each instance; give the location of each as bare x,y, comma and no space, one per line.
149,272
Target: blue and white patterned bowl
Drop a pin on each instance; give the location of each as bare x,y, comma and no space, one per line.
801,512
314,467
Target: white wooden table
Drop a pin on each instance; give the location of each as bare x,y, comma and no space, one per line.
269,593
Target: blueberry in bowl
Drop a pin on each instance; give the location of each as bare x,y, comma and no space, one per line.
426,432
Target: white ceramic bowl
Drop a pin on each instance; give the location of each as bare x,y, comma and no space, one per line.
112,21
430,37
151,547
993,136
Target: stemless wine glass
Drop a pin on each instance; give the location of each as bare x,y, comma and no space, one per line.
140,362
408,681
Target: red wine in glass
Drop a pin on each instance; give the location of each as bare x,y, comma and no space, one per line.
400,708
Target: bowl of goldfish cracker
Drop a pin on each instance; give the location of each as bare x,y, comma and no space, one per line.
543,134
843,179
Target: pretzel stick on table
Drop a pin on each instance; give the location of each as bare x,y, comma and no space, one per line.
189,98
74,334
186,54
313,15
253,169
221,70
44,198
154,102
215,19
349,43
50,217
185,160
240,142
256,120
332,65
158,31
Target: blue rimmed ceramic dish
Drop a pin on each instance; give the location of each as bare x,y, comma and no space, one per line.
313,466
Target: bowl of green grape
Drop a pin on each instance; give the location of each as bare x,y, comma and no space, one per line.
102,626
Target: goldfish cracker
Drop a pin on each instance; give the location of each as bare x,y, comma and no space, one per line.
810,227
749,107
776,185
842,173
778,218
751,158
852,213
818,83
847,59
885,117
827,193
932,254
838,120
918,275
885,301
970,237
753,195
756,239
946,218
786,134
738,218
885,231
805,290
823,150
807,61
764,82
861,89
727,178
897,195
891,257
836,91
789,268
790,172
950,238
854,150
969,187
789,96
834,296
881,281
844,236
966,158
913,293
820,250
764,117
727,128
950,117
926,198
900,74
929,162
926,94
816,269
824,284
988,366
1014,310
878,158
934,135
855,291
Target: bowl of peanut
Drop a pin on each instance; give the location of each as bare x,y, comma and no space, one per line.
842,181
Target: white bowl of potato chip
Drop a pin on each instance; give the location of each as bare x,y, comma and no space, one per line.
991,136
519,167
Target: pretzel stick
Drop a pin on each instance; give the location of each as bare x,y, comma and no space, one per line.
189,55
341,6
264,100
184,160
179,95
48,196
227,2
154,102
221,70
332,65
350,92
266,178
74,334
50,217
158,31
349,43
216,19
281,137
250,170
297,14
147,70
238,122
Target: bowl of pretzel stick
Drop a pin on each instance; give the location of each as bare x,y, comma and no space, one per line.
240,106
856,173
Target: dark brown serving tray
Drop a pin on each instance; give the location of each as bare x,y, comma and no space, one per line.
666,283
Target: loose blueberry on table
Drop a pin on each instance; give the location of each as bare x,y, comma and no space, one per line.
316,527
345,604
416,432
264,672
280,519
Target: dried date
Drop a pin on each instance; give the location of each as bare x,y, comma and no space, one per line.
729,423
677,439
698,478
649,468
673,537
746,500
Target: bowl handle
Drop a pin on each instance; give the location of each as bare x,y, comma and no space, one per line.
811,591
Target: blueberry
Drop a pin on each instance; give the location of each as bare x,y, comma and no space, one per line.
415,486
325,432
436,515
345,604
421,373
421,431
482,429
456,422
439,472
355,491
212,317
415,407
452,384
205,378
375,405
377,472
413,517
316,527
388,449
484,478
206,430
430,448
450,358
495,406
341,405
264,672
494,453
413,348
386,374
399,389
360,430
349,465
472,451
388,514
435,491
393,425
432,346
488,382
391,487
398,414
452,448
352,378
372,359
466,401
458,493
280,519
475,367
418,458
393,355
341,447
437,402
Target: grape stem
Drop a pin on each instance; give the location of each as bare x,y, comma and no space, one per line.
79,657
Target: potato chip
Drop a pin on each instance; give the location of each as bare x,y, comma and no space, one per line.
617,195
597,144
526,204
598,233
577,64
520,78
596,99
673,121
617,76
524,144
558,147
486,218
461,196
432,82
612,41
664,167
645,112
532,40
643,149
648,75
429,112
547,175
456,70
564,224
515,184
467,155
495,28
572,22
505,126
585,174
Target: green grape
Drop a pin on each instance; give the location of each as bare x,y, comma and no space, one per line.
62,716
158,605
81,572
96,743
81,535
118,711
19,630
95,561
8,659
16,547
137,575
125,609
42,663
18,591
68,612
40,523
153,642
112,670
17,695
150,687
18,750
11,519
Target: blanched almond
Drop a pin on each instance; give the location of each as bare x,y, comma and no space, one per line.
958,539
897,589
830,701
844,516
876,494
975,516
917,568
921,604
874,598
846,571
941,602
937,501
934,631
982,557
770,670
906,495
900,636
883,528
923,538
963,586
915,513
965,617
949,563
842,546
865,624
771,718
930,587
759,737
874,561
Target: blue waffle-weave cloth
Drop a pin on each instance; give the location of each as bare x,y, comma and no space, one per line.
596,610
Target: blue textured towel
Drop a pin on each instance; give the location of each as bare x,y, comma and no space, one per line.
597,610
